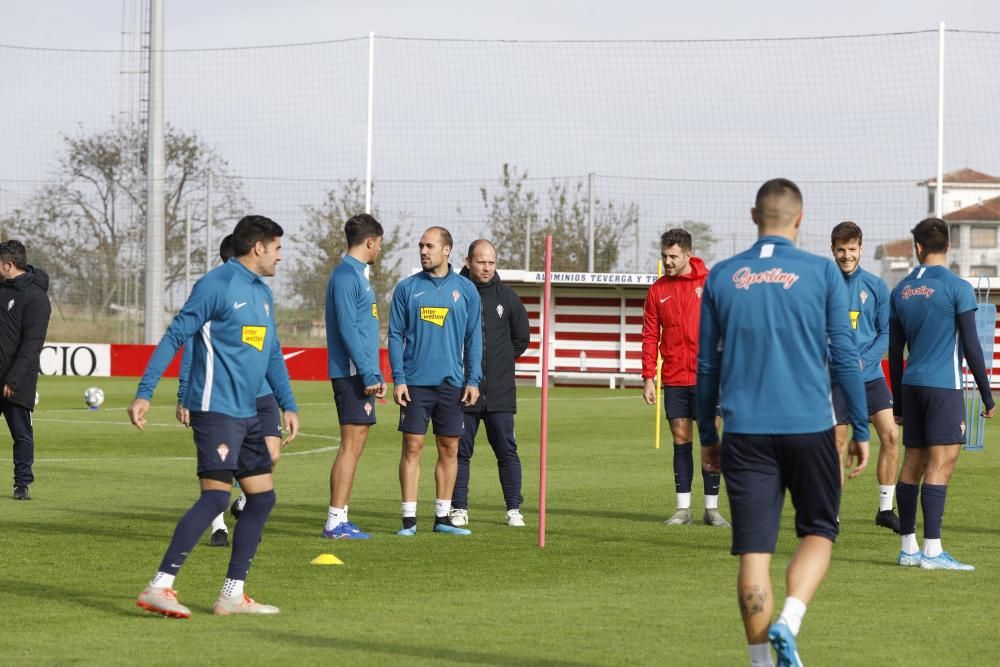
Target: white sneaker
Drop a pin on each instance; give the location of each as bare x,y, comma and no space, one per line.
459,517
515,518
225,606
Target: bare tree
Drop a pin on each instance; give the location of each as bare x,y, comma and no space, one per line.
516,206
88,223
322,246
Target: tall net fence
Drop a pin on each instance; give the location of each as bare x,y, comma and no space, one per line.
496,139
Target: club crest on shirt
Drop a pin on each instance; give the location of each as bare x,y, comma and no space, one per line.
500,310
10,304
698,291
455,295
223,450
368,409
864,296
434,314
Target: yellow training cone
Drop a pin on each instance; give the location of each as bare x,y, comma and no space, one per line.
327,559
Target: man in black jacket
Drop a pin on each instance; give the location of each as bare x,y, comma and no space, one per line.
25,320
505,338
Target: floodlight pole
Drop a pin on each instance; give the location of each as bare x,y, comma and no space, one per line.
187,249
371,106
208,224
938,185
590,222
155,207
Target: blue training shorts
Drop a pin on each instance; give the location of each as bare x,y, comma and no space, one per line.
229,443
442,404
877,396
932,416
353,407
758,469
269,415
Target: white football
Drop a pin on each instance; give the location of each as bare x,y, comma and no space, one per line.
93,396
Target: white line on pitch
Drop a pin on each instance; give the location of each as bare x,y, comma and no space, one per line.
318,450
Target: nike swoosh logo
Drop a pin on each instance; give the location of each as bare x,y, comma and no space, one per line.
664,299
419,293
237,305
288,356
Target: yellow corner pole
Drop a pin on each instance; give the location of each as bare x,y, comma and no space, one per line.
659,363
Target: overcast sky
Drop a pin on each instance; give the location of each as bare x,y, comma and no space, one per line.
231,23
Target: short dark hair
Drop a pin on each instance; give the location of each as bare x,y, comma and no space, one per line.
226,248
446,239
678,237
14,252
844,232
931,234
254,229
360,228
478,242
779,187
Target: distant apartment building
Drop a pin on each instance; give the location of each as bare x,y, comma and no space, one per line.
971,206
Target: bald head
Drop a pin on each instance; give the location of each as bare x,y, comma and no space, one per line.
778,207
482,261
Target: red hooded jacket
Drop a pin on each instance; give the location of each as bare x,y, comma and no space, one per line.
673,306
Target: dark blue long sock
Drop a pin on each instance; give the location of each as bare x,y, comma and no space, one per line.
683,467
932,497
191,527
249,528
712,481
906,501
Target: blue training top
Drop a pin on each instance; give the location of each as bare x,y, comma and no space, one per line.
185,371
926,303
435,331
770,318
352,324
868,302
236,347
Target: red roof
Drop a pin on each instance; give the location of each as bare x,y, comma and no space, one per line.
984,211
901,248
964,177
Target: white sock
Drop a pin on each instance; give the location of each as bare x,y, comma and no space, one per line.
792,614
711,502
219,523
335,516
932,548
241,502
409,509
442,507
885,494
232,588
760,655
162,580
684,501
908,543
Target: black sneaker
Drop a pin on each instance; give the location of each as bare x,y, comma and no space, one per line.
888,519
21,492
220,538
236,508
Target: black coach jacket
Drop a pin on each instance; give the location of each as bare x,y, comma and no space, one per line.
24,321
505,338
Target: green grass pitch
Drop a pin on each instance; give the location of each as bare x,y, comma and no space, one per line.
613,586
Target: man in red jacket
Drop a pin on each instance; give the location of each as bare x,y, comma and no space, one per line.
670,323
